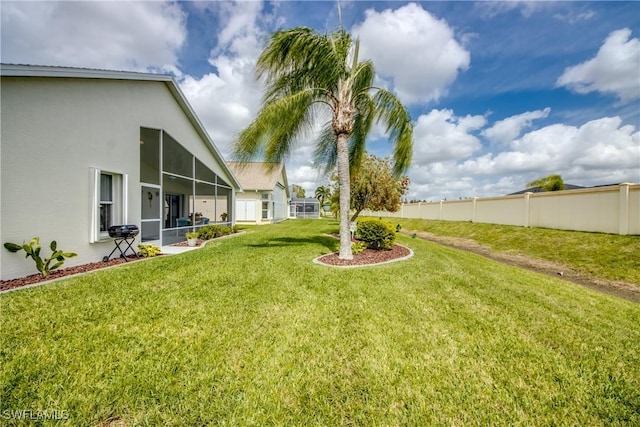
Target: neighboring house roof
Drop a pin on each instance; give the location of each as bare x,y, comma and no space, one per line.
12,70
542,190
259,176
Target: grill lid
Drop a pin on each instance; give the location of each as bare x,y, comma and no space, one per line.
123,231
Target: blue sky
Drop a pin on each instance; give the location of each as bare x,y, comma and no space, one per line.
501,93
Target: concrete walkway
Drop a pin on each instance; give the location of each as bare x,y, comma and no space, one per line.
173,250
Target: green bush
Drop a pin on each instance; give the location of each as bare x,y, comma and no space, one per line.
148,249
212,231
376,234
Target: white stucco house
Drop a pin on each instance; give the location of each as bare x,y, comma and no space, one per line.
265,195
82,150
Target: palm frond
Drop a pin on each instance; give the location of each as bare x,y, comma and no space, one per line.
361,128
276,127
390,111
326,151
304,58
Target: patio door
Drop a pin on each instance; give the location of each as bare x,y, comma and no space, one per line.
151,209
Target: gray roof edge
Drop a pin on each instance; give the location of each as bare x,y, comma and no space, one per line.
19,70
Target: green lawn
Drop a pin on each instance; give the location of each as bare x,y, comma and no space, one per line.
248,331
605,256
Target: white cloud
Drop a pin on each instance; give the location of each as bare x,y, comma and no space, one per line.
505,131
228,98
133,36
412,49
491,9
448,164
574,18
615,69
441,136
583,153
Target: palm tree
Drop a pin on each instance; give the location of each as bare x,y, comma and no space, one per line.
322,194
305,74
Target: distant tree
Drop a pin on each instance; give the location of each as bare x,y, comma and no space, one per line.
548,183
374,186
322,194
298,191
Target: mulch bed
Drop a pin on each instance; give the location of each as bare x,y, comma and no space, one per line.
56,274
367,257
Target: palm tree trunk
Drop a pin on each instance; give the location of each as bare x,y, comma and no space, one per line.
345,196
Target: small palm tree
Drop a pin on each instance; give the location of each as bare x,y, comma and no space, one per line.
305,73
322,194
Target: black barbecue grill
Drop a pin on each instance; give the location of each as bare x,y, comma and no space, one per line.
123,231
123,235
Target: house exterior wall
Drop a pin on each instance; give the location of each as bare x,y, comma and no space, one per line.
280,204
613,209
249,204
54,130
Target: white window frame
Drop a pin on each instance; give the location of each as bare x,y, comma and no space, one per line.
119,202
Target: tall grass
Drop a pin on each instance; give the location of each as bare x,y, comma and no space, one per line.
248,331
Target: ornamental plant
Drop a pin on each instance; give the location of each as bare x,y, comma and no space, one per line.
43,265
358,247
148,249
212,231
376,233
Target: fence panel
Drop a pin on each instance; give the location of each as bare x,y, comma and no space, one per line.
585,210
634,210
613,209
458,210
507,210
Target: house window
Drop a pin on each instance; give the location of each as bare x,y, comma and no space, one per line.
266,214
108,202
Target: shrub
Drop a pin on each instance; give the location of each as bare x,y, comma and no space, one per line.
33,250
358,247
148,249
376,234
212,231
192,235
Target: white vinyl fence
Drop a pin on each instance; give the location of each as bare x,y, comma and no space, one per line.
613,209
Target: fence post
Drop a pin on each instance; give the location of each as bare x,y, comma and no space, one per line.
527,209
623,220
473,214
441,204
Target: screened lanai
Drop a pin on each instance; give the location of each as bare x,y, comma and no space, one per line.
179,192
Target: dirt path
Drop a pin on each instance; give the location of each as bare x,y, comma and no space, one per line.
620,289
